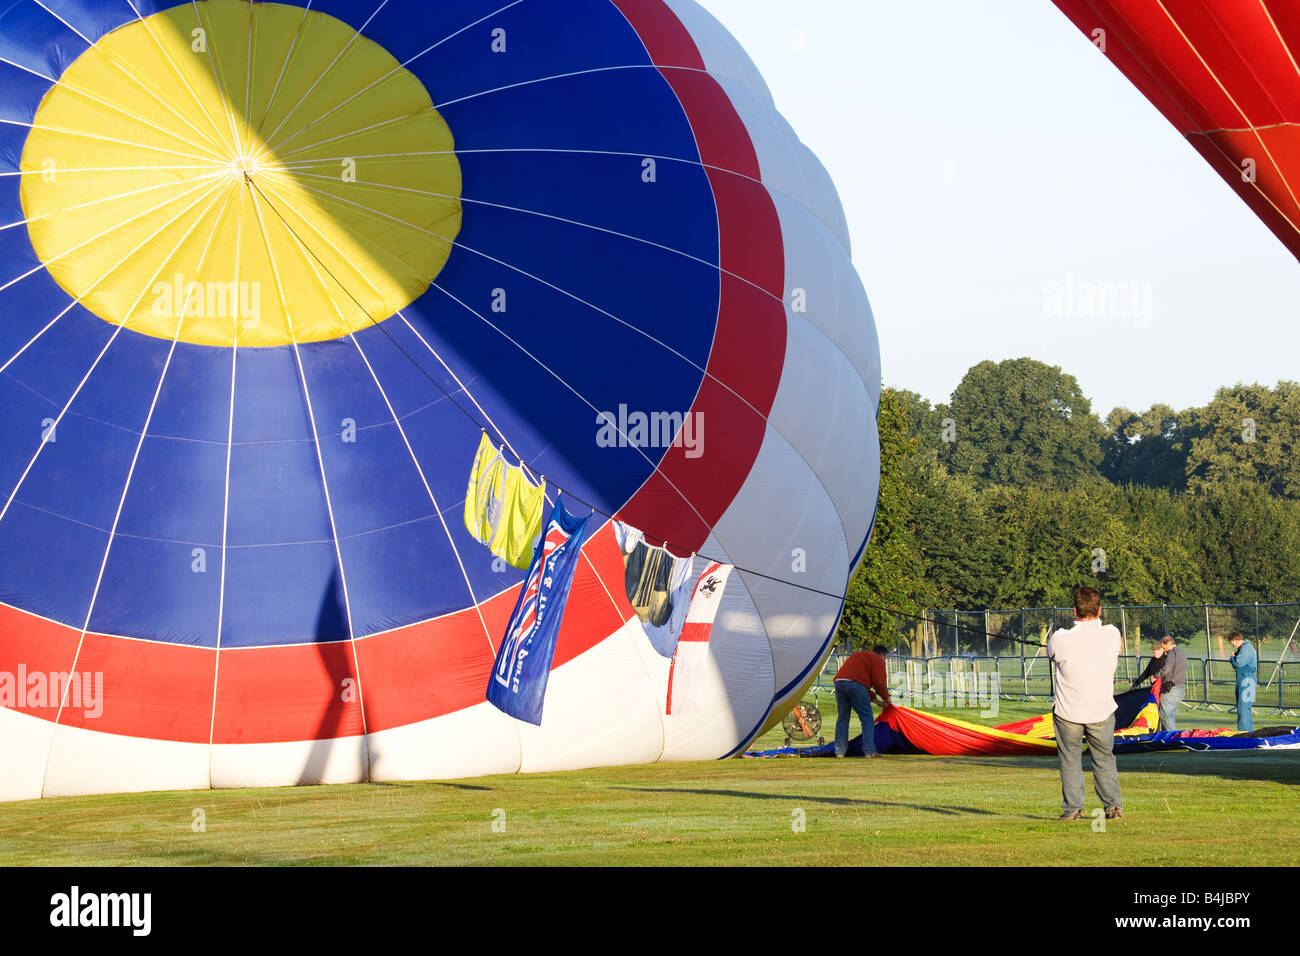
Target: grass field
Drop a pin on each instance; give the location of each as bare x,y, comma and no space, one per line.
1180,809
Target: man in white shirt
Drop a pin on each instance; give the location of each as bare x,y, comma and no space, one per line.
1083,673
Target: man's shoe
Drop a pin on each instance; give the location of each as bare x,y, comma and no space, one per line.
1114,813
1073,815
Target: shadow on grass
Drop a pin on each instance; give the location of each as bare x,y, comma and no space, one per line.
1276,766
942,809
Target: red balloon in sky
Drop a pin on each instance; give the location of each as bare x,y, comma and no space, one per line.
1225,73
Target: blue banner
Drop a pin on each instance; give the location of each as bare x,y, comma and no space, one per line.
518,682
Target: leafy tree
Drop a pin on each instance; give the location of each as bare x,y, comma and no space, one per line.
1045,541
1021,423
1147,449
1159,562
1191,506
891,574
924,424
951,529
1130,543
1246,543
1248,433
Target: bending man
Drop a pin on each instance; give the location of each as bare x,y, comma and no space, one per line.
858,680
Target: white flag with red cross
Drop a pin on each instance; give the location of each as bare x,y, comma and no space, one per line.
686,674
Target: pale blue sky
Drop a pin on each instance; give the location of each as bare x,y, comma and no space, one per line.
986,155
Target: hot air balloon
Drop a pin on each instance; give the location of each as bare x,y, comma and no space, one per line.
271,272
1224,73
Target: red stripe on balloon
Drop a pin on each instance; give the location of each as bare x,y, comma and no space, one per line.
752,373
448,658
455,656
300,692
162,691
151,689
667,41
722,138
32,645
744,367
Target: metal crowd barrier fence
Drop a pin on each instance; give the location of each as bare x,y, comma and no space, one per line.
1211,683
1200,629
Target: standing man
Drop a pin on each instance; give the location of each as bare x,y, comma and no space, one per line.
1083,660
1169,663
858,680
1244,662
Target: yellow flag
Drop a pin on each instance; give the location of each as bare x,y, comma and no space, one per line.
503,509
521,520
485,496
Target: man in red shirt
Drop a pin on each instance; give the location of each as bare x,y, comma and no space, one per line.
857,682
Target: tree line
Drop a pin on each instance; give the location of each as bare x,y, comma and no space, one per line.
1015,491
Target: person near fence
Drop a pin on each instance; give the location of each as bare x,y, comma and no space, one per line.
1244,662
1083,659
860,678
1169,663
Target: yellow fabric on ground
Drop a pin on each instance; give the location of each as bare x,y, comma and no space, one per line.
1042,728
1146,722
991,731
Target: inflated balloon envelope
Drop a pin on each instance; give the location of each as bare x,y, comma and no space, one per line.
1223,72
269,272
